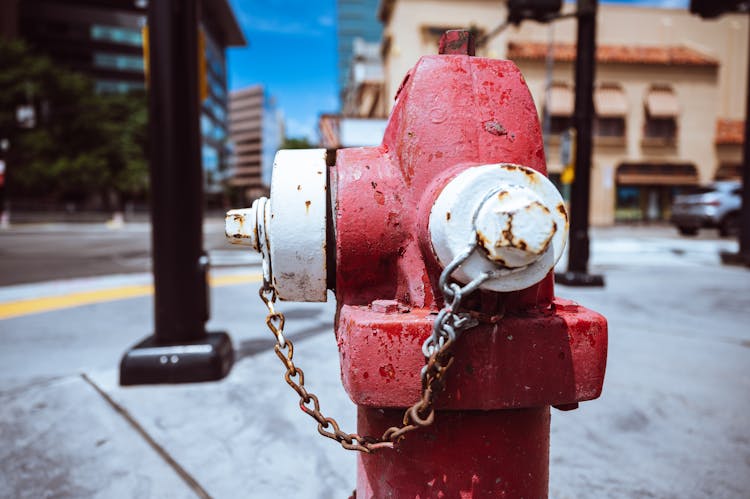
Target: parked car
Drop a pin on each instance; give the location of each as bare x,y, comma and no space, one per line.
713,206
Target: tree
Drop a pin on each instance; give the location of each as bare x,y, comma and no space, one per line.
81,144
296,143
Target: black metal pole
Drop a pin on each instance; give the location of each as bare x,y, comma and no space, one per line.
745,227
578,253
743,256
176,171
180,350
4,215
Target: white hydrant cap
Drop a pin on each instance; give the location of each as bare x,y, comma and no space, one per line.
240,226
514,227
513,214
290,229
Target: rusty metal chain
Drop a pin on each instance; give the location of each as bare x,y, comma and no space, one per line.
448,325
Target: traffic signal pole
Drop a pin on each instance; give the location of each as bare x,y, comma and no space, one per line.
742,257
578,242
180,350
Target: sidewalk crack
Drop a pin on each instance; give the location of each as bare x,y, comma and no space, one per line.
161,451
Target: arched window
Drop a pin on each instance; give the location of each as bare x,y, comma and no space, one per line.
662,109
611,107
560,107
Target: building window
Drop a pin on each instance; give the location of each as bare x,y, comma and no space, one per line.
115,34
661,110
559,105
210,158
609,127
217,88
206,125
729,171
215,108
559,124
664,129
117,86
119,62
645,190
611,107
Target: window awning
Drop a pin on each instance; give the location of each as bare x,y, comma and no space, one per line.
610,102
657,174
661,102
561,100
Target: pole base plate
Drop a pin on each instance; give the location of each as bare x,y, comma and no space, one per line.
731,258
579,279
151,362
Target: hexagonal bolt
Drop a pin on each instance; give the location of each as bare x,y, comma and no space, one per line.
514,227
241,226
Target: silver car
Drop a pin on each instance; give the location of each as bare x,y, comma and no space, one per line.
713,206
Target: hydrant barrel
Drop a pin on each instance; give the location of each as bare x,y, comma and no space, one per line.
466,454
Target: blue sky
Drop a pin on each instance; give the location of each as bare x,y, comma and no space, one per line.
292,51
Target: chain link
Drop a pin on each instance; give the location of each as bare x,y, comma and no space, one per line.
448,326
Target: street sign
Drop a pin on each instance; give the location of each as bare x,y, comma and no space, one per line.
568,156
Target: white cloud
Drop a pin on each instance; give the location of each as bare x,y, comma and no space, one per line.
279,26
326,21
306,128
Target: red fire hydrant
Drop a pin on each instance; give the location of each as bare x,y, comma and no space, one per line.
439,244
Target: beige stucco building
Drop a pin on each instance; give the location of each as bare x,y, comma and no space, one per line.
670,91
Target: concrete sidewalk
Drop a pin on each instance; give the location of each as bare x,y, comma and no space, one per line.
672,421
73,432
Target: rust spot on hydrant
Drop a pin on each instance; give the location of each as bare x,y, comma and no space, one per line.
384,306
387,372
495,128
307,207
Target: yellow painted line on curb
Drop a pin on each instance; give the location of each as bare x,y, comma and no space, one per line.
48,303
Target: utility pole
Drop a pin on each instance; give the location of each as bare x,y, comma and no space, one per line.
180,350
578,244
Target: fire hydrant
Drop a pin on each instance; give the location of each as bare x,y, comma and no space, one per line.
439,245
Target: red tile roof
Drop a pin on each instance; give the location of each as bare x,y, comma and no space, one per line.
730,132
623,54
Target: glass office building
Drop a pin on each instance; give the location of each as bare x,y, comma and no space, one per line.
356,19
103,39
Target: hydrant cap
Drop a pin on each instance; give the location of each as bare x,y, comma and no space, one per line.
290,229
513,214
513,226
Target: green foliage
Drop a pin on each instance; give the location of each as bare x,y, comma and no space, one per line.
82,143
296,143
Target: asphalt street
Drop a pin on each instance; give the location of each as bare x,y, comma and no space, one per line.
49,251
671,423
